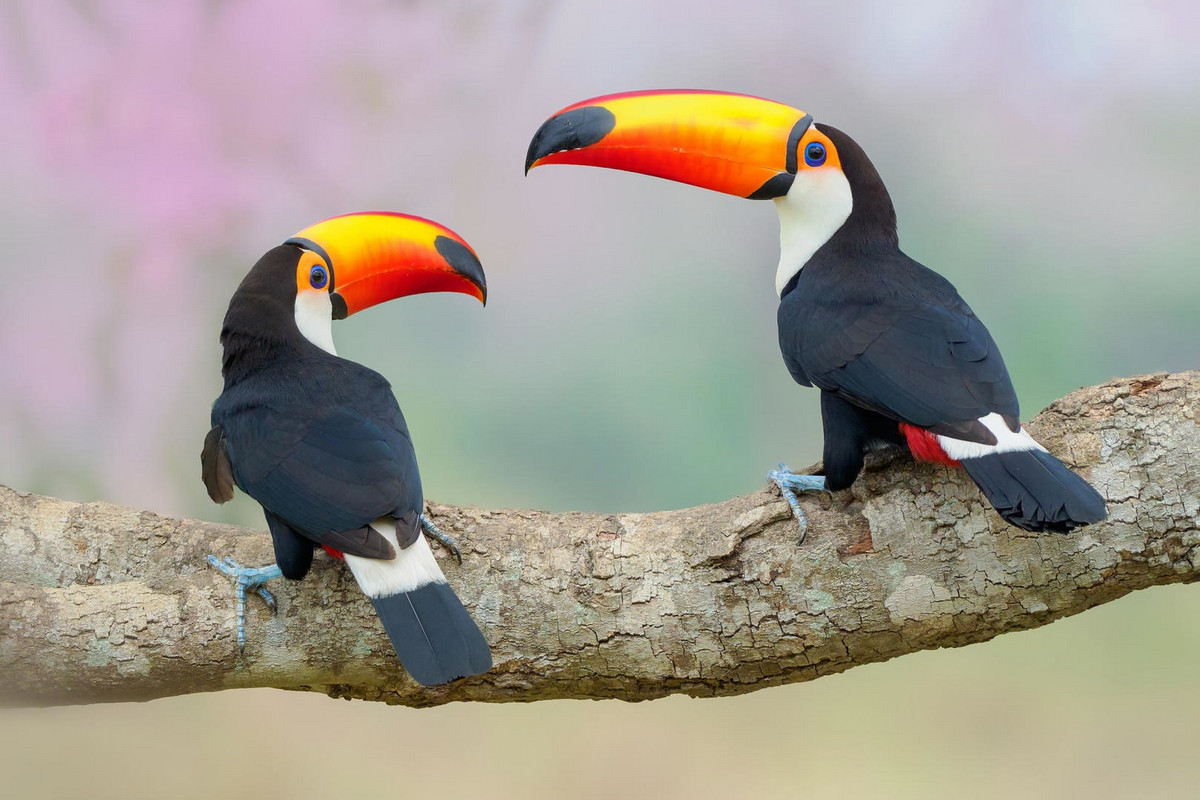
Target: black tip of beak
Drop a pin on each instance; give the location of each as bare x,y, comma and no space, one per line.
571,130
464,262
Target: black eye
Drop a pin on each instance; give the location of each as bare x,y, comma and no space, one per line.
814,154
318,277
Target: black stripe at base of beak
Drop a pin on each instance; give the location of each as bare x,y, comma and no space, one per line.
340,309
778,185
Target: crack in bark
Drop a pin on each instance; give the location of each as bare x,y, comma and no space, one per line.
102,603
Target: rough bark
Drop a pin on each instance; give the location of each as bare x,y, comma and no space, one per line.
102,603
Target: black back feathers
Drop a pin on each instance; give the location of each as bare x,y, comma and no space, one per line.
891,336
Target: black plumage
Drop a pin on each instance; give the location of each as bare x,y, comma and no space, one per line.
1035,491
433,653
889,341
320,442
893,337
865,323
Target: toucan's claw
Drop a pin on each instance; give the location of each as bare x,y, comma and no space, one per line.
434,532
789,483
268,598
247,578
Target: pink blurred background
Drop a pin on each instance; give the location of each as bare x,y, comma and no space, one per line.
1043,156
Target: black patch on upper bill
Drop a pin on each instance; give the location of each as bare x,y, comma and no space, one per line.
460,257
572,130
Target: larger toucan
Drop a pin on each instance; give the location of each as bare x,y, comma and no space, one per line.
319,441
899,357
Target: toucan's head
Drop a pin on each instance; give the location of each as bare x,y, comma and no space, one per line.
732,143
339,267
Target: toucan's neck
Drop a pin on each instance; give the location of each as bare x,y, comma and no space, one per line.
810,214
848,212
257,332
261,324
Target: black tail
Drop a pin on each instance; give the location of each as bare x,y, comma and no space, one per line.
433,634
1035,491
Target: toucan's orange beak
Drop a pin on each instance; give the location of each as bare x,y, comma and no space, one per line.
376,256
731,143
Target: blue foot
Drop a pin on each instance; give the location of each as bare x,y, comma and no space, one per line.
789,483
247,578
434,532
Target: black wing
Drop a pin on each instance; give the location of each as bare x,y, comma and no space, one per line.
215,469
897,339
327,466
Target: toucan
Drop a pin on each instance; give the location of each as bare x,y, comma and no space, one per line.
899,357
320,442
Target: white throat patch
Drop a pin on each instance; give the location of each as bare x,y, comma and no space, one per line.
314,318
817,204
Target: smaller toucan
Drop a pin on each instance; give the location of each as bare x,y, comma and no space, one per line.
319,441
899,357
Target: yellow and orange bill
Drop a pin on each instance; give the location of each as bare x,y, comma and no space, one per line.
376,256
733,143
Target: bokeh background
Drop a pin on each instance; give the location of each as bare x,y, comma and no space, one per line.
1043,156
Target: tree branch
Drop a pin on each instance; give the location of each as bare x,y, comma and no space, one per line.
102,603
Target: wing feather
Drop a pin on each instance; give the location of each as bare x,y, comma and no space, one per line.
215,469
916,354
326,464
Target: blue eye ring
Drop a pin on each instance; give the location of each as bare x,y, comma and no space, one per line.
814,154
319,277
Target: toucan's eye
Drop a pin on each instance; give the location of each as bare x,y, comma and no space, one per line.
318,277
814,154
